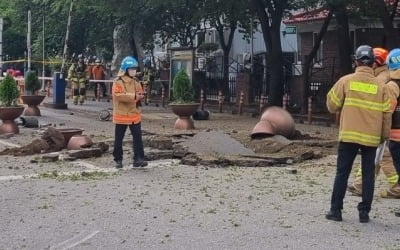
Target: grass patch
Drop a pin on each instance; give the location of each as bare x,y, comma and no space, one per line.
80,176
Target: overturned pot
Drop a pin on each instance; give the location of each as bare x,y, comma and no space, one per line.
69,132
79,141
274,121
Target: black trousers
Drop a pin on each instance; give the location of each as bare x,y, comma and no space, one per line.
347,152
394,147
136,131
102,86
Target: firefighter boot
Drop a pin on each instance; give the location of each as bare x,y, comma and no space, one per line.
82,92
392,193
355,189
335,215
75,99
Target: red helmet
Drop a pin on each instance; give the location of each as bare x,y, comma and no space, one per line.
380,56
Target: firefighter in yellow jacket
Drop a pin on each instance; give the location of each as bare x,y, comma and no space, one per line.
386,165
364,124
127,93
77,74
393,62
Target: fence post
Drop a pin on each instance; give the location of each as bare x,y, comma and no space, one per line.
202,100
162,97
98,91
284,100
241,103
309,110
220,101
261,102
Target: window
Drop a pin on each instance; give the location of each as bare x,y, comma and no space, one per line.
319,56
200,37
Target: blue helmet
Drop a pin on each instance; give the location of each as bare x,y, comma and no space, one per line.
128,62
393,59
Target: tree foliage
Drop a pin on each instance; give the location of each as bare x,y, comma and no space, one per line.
182,89
9,92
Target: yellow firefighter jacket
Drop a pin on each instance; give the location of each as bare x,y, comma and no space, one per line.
362,100
77,73
382,73
125,110
394,92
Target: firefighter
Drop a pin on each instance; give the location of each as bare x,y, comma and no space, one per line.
99,73
382,73
393,61
362,100
127,92
78,76
148,78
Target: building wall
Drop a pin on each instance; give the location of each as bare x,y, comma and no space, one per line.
373,37
240,45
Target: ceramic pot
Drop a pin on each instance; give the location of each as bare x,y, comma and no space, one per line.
32,101
79,141
69,132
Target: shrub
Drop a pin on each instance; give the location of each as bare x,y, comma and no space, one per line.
32,83
9,92
182,89
207,47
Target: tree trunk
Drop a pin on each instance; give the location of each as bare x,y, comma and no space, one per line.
270,24
275,61
344,44
226,48
122,46
391,34
309,60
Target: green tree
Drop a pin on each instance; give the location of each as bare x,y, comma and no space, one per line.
226,16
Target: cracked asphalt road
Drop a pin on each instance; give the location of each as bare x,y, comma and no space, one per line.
173,206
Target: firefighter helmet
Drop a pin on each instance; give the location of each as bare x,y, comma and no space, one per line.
128,62
393,59
364,55
380,56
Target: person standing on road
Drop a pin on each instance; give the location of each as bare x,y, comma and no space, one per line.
386,165
78,76
127,92
99,73
393,62
363,103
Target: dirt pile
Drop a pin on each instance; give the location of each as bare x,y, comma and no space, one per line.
51,141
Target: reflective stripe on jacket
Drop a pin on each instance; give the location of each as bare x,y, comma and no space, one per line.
125,110
362,100
76,76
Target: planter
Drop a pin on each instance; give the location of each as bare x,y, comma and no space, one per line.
8,116
69,132
184,112
32,101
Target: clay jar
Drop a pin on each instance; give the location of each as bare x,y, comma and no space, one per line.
79,141
274,121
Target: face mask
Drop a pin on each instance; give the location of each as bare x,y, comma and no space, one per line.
132,72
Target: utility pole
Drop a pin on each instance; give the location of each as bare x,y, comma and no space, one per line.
28,41
43,56
1,46
251,44
66,40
